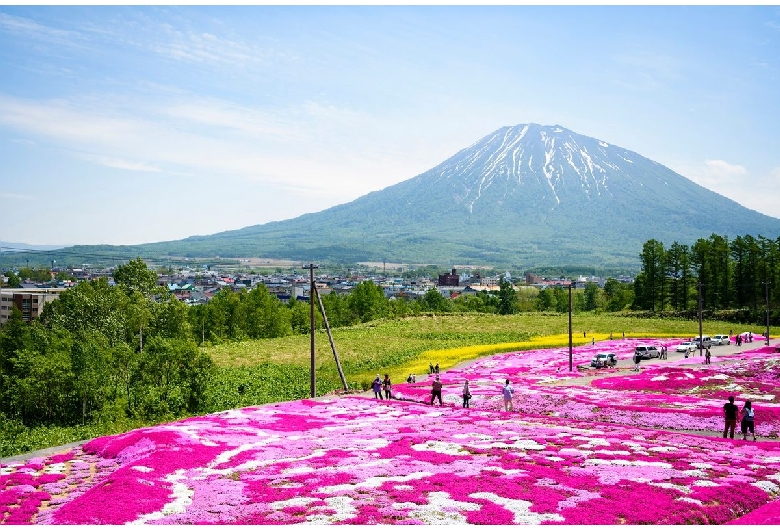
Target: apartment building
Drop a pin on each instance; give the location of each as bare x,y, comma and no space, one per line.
30,301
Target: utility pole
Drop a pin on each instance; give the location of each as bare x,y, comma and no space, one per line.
766,289
571,368
311,268
700,335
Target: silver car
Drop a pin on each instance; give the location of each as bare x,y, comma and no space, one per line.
686,347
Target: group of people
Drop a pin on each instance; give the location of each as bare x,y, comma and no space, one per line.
433,369
730,414
507,391
382,385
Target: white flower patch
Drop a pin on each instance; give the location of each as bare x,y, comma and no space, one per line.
182,497
574,451
504,471
659,378
625,463
767,486
721,377
766,397
662,449
471,436
611,452
441,509
595,442
688,499
403,487
555,458
668,486
519,508
775,477
56,468
705,483
295,501
142,469
733,387
701,465
695,473
770,459
374,482
445,448
343,507
300,470
689,375
226,456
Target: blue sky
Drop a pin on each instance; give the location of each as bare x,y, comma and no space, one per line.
125,125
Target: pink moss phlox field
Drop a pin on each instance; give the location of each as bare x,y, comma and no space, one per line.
618,451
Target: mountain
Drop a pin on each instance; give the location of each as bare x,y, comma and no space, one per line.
522,196
5,246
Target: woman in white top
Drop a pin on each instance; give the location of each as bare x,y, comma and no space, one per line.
748,423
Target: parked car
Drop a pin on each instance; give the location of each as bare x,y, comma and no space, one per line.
603,360
706,342
686,347
647,352
720,340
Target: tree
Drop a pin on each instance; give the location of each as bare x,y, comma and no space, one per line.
591,296
367,302
434,301
507,298
546,300
13,280
135,276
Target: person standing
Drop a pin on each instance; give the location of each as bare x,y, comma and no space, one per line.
466,394
430,369
707,357
637,359
376,386
730,417
436,390
436,368
508,392
748,423
409,379
386,386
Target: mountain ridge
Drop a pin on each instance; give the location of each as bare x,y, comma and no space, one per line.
525,195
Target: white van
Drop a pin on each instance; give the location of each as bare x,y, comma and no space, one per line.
706,341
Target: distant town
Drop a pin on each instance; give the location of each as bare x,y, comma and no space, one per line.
195,287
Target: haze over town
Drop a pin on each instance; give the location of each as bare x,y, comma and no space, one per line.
124,125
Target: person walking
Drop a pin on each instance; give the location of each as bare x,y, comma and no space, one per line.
748,423
436,390
508,392
430,369
466,394
730,417
386,386
707,357
436,368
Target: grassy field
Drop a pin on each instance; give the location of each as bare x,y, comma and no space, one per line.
401,347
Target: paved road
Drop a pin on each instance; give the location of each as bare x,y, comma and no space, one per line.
725,351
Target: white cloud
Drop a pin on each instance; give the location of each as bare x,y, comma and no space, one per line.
318,148
120,164
32,29
16,196
735,181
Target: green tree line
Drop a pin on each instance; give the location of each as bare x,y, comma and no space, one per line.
740,275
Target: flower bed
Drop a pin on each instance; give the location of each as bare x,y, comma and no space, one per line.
355,460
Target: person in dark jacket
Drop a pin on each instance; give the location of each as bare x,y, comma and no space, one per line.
376,386
436,390
730,416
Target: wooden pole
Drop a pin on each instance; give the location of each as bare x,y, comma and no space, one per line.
571,367
311,268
